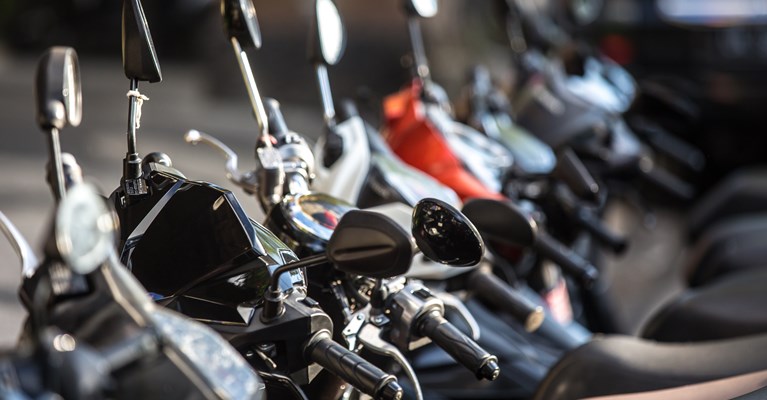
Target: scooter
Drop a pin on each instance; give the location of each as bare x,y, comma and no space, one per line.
194,248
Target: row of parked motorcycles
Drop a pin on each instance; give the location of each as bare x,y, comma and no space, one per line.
439,256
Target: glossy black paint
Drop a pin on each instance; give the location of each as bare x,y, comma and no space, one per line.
194,249
445,235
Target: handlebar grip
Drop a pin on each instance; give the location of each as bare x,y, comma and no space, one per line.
492,289
464,350
567,259
668,144
575,175
588,220
669,183
354,369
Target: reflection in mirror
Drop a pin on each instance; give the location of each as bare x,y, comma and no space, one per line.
424,8
330,31
370,244
502,221
445,235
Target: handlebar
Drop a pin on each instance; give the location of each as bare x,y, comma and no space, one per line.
464,350
575,175
665,181
568,260
492,289
352,368
588,220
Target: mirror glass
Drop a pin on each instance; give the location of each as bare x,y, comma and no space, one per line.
330,31
445,235
502,221
59,96
370,244
425,8
85,229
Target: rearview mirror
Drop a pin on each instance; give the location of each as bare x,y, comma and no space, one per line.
445,235
502,221
328,37
422,8
240,22
139,57
370,244
59,96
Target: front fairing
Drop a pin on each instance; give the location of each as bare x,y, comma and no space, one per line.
605,85
487,160
345,177
196,251
531,156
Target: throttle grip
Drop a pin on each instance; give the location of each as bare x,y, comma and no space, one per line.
352,368
567,259
492,289
462,348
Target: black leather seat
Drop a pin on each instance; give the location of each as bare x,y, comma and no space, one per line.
733,245
743,192
621,364
730,307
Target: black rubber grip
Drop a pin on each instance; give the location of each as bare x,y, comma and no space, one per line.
491,289
462,348
573,173
669,183
354,369
568,260
668,144
589,221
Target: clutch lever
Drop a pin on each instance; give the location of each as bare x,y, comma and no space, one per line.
246,180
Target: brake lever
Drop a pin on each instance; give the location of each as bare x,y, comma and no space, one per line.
370,338
247,180
28,258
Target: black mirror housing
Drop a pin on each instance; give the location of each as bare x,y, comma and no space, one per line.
370,244
58,90
241,22
445,235
502,221
139,57
421,8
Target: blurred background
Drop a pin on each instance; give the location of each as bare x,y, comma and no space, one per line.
714,51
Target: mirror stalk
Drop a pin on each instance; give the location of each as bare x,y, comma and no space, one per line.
255,98
57,166
419,54
323,82
273,298
132,182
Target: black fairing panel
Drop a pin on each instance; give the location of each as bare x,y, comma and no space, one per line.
620,364
193,239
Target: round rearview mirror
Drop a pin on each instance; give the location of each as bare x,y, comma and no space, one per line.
424,8
370,244
59,96
330,31
502,221
84,229
241,22
445,235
